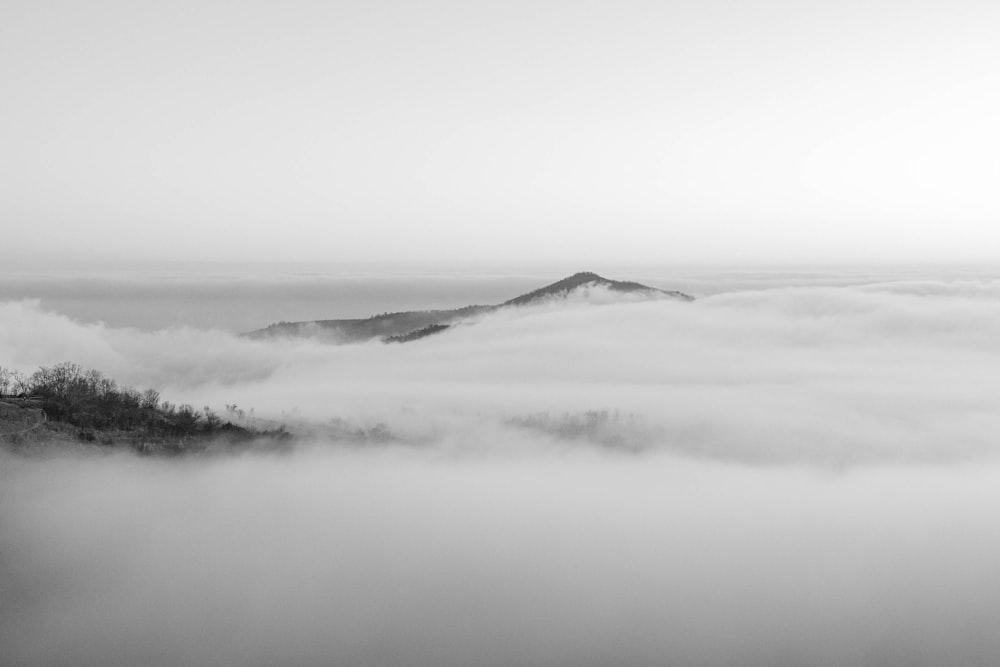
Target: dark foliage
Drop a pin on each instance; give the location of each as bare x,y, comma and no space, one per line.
418,334
609,429
88,400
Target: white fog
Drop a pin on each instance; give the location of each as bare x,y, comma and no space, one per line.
781,476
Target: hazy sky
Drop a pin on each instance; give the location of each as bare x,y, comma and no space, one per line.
627,131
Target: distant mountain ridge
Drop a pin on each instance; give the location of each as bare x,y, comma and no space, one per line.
412,325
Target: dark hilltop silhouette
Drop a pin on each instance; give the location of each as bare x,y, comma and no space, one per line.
406,326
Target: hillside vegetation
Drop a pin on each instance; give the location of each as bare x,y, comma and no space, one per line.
69,399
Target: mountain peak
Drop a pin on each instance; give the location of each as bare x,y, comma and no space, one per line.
570,283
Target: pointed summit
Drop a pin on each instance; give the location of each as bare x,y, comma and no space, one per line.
589,279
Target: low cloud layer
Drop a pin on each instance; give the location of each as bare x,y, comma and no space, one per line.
782,477
389,557
893,371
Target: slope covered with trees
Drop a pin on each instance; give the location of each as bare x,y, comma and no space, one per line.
85,401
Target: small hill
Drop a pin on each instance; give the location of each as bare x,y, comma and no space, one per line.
413,325
67,403
385,326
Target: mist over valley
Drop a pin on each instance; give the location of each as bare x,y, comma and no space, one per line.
794,474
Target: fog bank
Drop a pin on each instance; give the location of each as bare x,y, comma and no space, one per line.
393,557
882,371
789,476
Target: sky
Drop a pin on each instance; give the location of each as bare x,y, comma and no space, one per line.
759,131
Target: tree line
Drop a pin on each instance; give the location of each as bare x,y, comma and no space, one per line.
86,398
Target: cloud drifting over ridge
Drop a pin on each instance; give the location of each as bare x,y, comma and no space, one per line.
862,532
896,370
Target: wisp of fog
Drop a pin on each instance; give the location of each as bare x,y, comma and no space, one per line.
781,476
